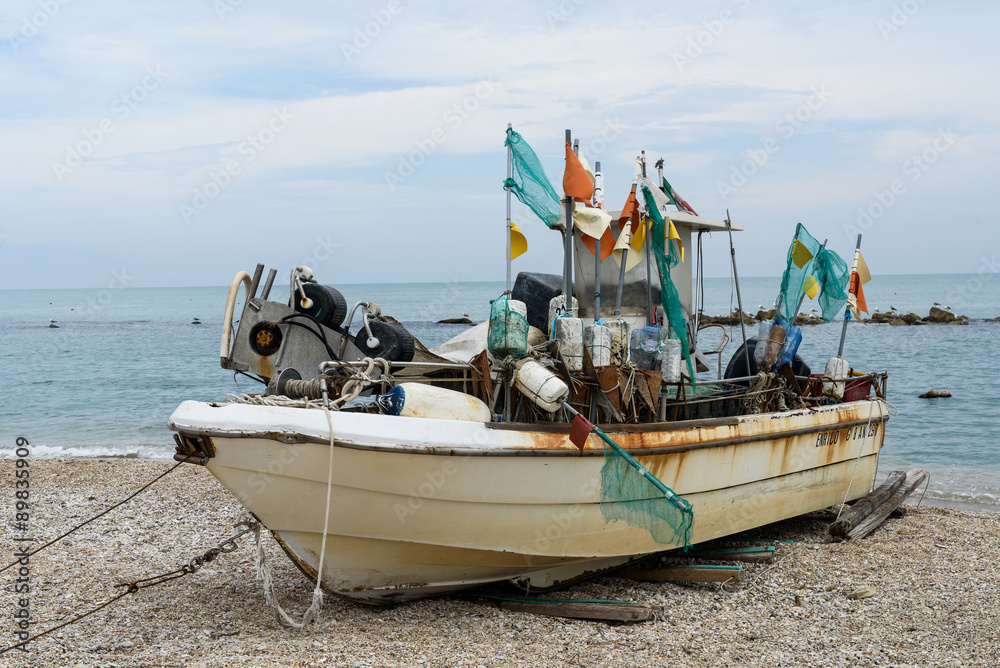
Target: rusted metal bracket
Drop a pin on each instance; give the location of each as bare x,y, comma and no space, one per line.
193,449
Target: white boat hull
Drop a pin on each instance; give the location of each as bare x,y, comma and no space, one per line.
422,506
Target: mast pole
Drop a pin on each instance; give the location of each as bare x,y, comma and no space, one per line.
847,311
507,188
739,299
649,269
568,247
598,199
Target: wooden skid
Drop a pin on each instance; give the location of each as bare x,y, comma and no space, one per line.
685,573
610,612
913,479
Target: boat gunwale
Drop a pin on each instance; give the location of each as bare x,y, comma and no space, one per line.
569,451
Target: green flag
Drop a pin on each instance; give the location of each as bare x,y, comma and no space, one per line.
812,268
666,257
529,183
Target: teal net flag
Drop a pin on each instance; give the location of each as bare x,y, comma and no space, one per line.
631,494
816,272
667,256
529,183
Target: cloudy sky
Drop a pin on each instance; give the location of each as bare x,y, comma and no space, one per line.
183,141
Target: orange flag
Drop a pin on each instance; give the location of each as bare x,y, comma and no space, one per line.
630,211
607,243
576,181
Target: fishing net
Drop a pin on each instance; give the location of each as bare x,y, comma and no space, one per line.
508,335
631,494
529,183
666,257
813,270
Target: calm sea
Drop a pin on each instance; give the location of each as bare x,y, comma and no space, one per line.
104,382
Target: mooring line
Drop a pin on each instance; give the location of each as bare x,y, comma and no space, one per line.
83,524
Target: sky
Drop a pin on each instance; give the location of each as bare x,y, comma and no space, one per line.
177,143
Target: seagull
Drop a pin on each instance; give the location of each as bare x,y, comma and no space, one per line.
947,308
876,309
891,307
937,303
52,324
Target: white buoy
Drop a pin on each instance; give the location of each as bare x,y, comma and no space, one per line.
836,367
597,341
569,334
618,326
557,307
427,401
545,389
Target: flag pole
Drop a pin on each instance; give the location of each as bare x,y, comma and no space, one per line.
597,252
739,299
621,270
568,247
509,175
847,311
649,275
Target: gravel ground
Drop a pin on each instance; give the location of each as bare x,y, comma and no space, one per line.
936,594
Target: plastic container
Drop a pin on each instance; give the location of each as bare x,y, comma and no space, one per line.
545,389
644,344
597,341
508,333
857,390
557,307
569,333
836,367
772,346
793,337
763,331
618,327
668,361
427,401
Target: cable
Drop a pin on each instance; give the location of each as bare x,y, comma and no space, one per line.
321,335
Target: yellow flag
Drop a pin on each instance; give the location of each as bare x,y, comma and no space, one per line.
672,234
861,267
624,244
518,244
811,287
639,236
800,254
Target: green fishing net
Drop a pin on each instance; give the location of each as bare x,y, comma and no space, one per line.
529,183
667,256
631,494
508,335
810,265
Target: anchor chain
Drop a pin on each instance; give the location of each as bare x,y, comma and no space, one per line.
193,566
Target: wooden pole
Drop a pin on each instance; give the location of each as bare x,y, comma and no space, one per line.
739,299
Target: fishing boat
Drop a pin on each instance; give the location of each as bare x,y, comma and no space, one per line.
416,472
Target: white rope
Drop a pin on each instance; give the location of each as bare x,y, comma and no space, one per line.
275,400
264,572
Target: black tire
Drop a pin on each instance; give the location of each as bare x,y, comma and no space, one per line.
737,367
329,305
395,343
339,311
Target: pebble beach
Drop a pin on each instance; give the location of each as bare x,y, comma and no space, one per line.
926,592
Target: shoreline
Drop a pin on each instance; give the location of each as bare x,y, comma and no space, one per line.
937,594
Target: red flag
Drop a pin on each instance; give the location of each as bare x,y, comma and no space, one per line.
607,243
580,430
856,290
576,181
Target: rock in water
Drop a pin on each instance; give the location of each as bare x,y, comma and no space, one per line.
939,315
455,321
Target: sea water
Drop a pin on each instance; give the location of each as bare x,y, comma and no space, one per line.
105,380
